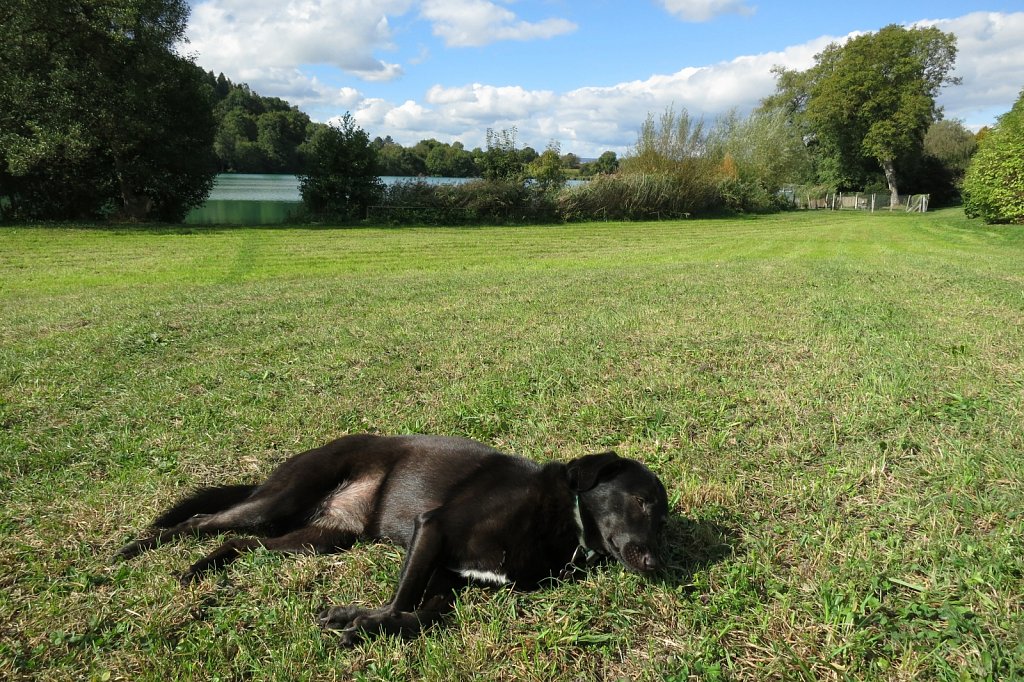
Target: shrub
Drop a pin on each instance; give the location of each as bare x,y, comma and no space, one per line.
994,184
750,196
342,178
492,202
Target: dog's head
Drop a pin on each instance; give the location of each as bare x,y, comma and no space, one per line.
623,507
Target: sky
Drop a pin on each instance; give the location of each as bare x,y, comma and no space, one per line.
583,74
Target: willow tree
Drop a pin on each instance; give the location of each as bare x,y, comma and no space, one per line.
869,101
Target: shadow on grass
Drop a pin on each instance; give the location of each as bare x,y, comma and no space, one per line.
691,545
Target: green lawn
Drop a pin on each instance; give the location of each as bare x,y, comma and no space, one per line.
834,402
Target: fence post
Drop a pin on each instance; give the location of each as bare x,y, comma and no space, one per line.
872,202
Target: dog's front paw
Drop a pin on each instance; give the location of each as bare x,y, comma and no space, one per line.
188,578
339,617
129,551
345,622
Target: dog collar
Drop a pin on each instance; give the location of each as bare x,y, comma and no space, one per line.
583,556
579,524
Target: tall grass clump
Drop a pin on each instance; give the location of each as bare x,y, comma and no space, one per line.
634,196
681,166
670,174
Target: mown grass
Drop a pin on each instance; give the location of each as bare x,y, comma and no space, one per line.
833,400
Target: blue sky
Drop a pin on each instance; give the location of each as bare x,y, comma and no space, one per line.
582,74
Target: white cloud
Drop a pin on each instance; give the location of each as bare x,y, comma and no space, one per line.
705,10
586,120
259,36
298,89
990,61
473,23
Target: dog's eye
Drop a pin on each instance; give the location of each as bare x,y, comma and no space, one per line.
640,501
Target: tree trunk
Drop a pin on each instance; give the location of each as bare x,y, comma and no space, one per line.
136,206
890,177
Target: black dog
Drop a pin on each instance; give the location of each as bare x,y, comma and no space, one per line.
463,511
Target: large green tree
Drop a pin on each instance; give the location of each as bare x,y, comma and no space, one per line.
98,113
867,104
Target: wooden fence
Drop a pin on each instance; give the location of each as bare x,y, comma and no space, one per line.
861,201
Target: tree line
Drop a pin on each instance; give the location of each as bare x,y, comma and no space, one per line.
434,158
100,118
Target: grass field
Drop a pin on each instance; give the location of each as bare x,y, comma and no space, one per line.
834,401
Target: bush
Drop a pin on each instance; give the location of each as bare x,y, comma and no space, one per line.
994,184
750,196
491,202
342,179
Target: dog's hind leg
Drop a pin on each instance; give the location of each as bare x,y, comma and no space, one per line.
265,507
204,501
306,540
256,511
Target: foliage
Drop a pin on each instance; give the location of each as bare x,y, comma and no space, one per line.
341,179
496,202
547,170
397,160
866,105
951,144
637,196
490,202
257,134
671,172
765,149
450,161
570,161
668,144
605,164
994,184
948,148
98,114
501,161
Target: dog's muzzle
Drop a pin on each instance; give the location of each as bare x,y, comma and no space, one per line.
639,558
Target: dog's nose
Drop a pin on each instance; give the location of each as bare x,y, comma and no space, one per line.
648,561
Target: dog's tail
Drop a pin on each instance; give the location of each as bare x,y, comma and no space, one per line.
204,501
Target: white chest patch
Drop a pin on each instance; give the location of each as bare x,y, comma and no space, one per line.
483,576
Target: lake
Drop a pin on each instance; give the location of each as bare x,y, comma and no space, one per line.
254,199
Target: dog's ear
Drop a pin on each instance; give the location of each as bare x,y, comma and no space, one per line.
585,471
